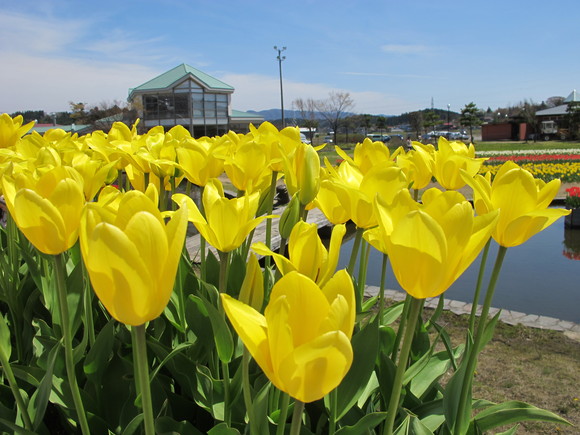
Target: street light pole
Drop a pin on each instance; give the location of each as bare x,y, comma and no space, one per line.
280,59
448,118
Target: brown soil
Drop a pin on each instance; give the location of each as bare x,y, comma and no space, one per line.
536,366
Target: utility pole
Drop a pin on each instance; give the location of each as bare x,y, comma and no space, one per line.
280,59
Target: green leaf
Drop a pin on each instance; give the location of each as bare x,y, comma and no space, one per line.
134,425
365,344
447,343
514,412
488,331
167,426
260,407
236,273
222,429
393,313
175,351
387,337
39,401
221,332
365,424
431,414
451,397
511,431
436,367
369,303
15,429
5,345
99,354
411,425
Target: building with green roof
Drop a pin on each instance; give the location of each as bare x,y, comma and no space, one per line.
189,97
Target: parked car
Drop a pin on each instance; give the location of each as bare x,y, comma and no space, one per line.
328,139
458,136
304,139
379,137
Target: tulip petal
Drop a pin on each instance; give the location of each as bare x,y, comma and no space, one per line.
339,292
307,306
418,253
120,279
317,367
40,222
252,328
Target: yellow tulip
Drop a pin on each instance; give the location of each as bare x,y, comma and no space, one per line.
355,192
252,290
11,130
47,209
302,173
369,154
131,254
450,159
276,143
95,173
247,166
417,165
431,244
522,201
329,201
201,160
303,348
228,221
306,252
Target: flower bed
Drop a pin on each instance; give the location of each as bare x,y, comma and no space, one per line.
106,324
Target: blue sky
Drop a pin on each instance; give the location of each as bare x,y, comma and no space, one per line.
391,56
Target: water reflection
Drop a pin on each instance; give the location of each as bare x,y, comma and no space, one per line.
571,243
536,277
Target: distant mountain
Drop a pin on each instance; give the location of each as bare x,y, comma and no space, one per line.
275,114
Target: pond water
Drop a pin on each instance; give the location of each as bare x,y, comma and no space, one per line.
542,276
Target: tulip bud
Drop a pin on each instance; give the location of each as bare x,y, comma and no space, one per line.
309,176
290,217
252,291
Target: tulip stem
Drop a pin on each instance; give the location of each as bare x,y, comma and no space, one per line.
402,323
355,248
15,391
362,273
297,417
332,396
59,267
415,310
223,287
88,306
472,357
283,413
142,376
382,288
476,296
247,389
268,260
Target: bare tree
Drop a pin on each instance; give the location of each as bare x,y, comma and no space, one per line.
334,107
307,109
554,101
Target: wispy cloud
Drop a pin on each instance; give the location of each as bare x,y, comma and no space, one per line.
30,34
406,48
259,92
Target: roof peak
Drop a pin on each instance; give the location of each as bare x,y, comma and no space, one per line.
573,97
171,77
